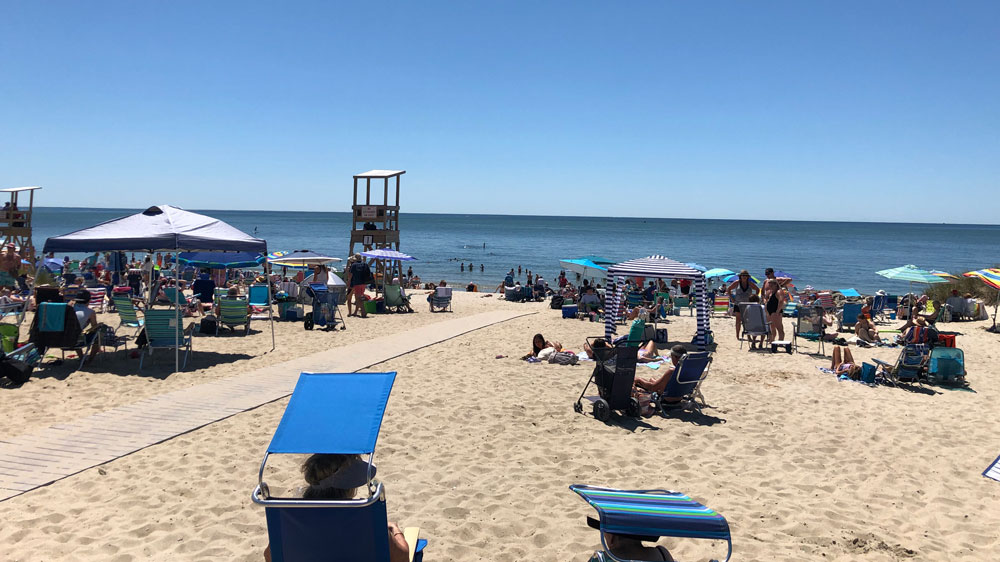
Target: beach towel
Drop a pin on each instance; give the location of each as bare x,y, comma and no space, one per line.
993,471
53,317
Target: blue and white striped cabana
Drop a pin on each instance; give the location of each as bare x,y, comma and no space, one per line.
657,267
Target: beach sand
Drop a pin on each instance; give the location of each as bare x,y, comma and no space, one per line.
479,452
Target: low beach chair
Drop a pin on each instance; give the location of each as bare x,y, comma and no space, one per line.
647,515
826,300
233,313
15,311
946,365
691,370
755,324
721,305
165,331
791,310
441,299
848,317
127,315
97,296
394,299
29,358
908,368
258,297
84,345
332,413
681,303
613,374
809,326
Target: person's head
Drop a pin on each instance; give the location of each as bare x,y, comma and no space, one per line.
954,292
537,343
921,322
677,352
652,284
769,273
443,283
147,260
744,275
967,296
643,314
590,291
10,248
356,257
753,298
233,292
79,280
320,471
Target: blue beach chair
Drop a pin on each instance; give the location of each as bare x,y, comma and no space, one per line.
946,365
686,383
650,514
332,413
849,315
909,367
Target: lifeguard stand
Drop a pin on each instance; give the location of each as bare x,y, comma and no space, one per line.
376,224
15,221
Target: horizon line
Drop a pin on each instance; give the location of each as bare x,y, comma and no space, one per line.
538,216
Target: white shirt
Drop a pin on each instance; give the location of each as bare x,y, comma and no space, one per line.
83,314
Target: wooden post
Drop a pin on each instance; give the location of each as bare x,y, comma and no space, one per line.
368,191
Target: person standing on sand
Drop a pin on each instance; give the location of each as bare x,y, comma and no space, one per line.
741,289
358,277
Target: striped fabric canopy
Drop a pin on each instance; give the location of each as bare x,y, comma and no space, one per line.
654,513
989,276
655,266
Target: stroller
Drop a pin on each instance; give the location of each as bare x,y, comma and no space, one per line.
325,308
614,375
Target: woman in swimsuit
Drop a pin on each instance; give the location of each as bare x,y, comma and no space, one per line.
774,302
843,362
741,289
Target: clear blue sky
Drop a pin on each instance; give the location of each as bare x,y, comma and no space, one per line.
784,110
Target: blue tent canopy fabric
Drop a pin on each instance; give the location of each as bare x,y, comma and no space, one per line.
220,260
333,413
158,228
849,292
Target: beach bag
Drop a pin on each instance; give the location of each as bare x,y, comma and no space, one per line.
557,302
209,325
563,358
17,371
661,335
649,333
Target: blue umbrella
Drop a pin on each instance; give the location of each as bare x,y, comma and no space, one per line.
783,274
220,260
718,272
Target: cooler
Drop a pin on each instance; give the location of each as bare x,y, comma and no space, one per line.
569,311
947,340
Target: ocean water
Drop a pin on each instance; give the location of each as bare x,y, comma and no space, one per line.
832,255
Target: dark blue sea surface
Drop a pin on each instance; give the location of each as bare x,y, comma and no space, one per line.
832,255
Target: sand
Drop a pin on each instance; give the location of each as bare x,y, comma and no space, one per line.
479,452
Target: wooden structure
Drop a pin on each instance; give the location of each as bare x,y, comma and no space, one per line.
376,224
15,220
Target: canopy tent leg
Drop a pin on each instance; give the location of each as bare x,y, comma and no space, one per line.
701,339
270,311
611,306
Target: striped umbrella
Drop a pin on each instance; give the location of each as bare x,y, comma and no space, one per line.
989,276
734,277
911,273
944,274
992,278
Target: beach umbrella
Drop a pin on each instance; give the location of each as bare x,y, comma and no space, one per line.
718,272
911,273
585,268
944,274
699,267
599,260
301,258
220,260
735,277
784,274
386,254
992,279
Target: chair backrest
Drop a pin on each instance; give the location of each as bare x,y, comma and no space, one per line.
878,304
163,328
634,299
233,311
27,353
946,362
913,355
891,302
754,318
393,295
175,296
257,295
52,317
126,311
512,293
443,292
850,313
721,303
810,321
9,333
690,371
328,533
97,297
826,300
682,302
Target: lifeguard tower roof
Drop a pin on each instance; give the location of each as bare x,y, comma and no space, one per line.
19,189
380,174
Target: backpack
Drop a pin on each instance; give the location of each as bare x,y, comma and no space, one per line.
557,302
563,358
17,371
209,325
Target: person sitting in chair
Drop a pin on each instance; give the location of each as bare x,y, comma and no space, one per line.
338,477
628,547
659,384
88,323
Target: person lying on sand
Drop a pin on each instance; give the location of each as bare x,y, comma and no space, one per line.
338,477
539,343
843,362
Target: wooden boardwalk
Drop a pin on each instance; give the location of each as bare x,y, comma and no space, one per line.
41,457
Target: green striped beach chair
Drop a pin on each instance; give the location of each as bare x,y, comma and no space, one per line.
233,313
165,331
127,314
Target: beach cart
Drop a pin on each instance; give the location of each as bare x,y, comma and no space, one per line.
333,414
614,374
647,515
325,307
